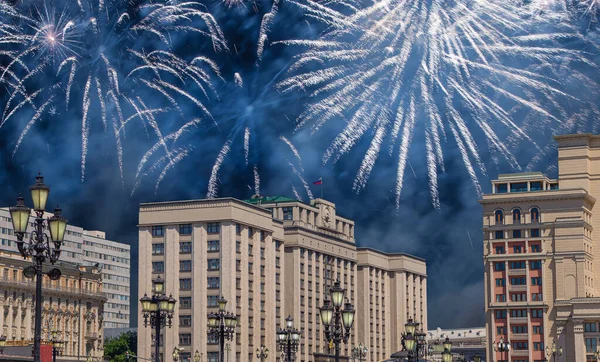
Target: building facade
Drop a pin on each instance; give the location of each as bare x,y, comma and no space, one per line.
72,306
391,288
114,260
248,251
89,248
541,282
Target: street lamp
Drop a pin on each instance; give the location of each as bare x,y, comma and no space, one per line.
421,343
476,358
222,325
553,351
502,347
2,344
359,352
288,340
197,356
56,345
447,354
262,353
337,321
158,311
40,246
409,340
175,353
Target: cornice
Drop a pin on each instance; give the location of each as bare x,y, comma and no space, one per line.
550,195
198,204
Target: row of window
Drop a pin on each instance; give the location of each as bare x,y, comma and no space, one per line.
536,330
185,247
519,297
516,234
534,212
533,265
186,229
519,313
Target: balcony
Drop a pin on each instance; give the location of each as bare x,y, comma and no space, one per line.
518,336
30,285
91,335
519,353
517,271
517,288
518,320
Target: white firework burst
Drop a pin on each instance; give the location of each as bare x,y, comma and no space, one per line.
436,72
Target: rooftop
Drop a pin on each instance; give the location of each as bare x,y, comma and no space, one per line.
257,199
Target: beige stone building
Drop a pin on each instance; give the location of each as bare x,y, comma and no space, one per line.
391,288
72,306
269,257
540,234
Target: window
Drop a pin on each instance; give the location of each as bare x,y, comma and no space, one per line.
158,249
535,248
500,282
238,229
185,320
535,186
185,265
287,213
501,188
158,266
158,230
501,314
249,250
536,297
213,245
500,250
213,227
537,330
520,346
534,233
519,329
516,234
499,234
518,281
185,229
518,313
185,302
185,339
536,281
499,266
518,187
516,214
518,297
499,217
517,249
537,313
213,300
517,265
590,326
185,247
213,264
500,297
591,345
185,284
213,282
501,330
535,215
554,186
535,264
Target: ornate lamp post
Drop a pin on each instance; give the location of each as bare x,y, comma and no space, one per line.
2,344
421,343
56,345
262,353
502,347
476,358
447,354
359,352
288,340
409,340
158,311
553,351
337,321
197,356
40,246
222,326
175,354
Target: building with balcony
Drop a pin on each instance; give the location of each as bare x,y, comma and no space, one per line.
541,283
270,257
72,305
89,248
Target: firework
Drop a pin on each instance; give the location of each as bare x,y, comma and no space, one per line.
432,73
50,49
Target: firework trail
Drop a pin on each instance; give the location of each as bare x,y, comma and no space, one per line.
408,73
256,181
118,52
213,184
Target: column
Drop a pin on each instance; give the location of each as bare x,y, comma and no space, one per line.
579,342
171,277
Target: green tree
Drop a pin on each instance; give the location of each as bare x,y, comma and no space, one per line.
115,349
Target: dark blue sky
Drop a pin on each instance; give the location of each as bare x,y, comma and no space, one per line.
450,238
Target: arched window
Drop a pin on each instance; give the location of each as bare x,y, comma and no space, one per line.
499,217
516,216
535,215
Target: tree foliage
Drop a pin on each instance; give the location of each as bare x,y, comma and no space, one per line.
115,348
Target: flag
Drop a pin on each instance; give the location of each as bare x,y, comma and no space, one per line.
318,182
